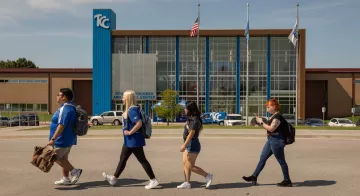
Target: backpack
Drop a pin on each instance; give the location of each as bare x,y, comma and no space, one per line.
81,125
146,127
289,133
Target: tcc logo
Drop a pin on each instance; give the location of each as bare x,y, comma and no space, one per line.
101,20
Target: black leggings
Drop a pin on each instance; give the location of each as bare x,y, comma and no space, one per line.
139,154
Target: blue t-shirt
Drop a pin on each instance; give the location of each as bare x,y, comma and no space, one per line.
136,139
66,116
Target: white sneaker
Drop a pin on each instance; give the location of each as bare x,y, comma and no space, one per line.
75,175
152,184
208,180
63,181
184,185
111,179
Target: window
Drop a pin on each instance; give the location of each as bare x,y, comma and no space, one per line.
110,114
118,113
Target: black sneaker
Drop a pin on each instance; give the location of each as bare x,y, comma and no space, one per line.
252,179
285,183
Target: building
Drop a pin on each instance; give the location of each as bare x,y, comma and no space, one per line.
336,89
36,89
124,59
154,60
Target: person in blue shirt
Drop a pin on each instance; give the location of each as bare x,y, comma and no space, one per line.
62,136
134,141
191,146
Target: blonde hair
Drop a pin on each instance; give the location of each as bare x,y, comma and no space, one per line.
130,99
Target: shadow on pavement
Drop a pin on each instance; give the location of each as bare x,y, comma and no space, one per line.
136,183
175,184
202,185
230,185
122,182
310,183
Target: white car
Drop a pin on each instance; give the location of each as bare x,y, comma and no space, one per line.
341,122
108,117
234,119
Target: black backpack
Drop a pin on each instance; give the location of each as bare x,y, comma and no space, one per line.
289,132
81,125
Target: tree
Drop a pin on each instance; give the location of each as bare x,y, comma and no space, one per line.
168,108
19,63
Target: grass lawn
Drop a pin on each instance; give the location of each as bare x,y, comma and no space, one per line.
110,127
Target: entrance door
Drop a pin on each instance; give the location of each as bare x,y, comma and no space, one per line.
120,107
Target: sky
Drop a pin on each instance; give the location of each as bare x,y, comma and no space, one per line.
58,33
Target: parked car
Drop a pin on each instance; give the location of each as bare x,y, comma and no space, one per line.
32,119
19,120
234,119
109,117
315,122
4,121
341,122
290,118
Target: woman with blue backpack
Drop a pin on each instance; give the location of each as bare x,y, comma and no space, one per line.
134,141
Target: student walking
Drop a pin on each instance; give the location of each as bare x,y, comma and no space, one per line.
134,141
62,136
274,145
191,147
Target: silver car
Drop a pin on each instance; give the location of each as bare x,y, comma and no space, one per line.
290,118
109,117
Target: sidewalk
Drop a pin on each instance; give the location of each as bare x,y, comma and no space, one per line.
21,132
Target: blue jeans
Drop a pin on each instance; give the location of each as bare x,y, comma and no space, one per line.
274,145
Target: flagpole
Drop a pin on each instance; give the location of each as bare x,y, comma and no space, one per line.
247,73
297,72
197,59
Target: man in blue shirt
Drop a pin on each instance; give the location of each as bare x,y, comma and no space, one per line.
62,136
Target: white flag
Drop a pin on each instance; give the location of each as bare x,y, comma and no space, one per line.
293,37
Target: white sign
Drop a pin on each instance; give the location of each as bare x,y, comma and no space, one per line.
7,106
135,72
353,110
323,109
101,20
139,95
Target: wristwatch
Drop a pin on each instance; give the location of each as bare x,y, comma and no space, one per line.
53,139
261,123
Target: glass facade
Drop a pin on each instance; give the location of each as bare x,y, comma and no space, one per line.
257,75
218,58
223,74
188,70
283,73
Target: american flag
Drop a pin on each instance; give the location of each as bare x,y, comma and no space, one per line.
195,28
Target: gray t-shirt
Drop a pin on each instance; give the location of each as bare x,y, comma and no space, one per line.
192,124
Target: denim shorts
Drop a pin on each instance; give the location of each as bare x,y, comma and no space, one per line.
194,146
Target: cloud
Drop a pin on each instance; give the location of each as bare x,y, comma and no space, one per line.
15,10
67,4
75,33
